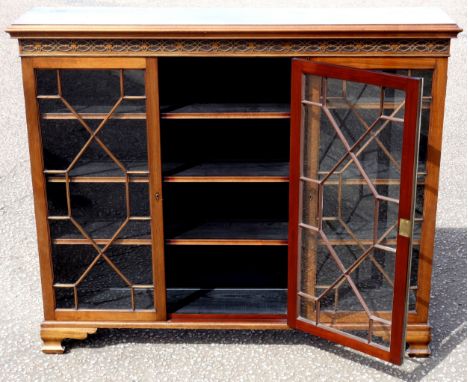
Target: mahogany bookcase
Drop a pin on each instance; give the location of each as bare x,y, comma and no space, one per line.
237,169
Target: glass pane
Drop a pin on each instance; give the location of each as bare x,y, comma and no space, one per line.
104,288
59,152
93,102
134,82
102,282
351,161
426,75
93,127
91,91
144,298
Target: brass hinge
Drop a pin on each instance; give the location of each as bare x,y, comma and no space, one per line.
405,228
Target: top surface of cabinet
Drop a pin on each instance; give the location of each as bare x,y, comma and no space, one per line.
233,16
311,21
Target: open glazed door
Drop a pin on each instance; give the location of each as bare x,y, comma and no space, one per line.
354,139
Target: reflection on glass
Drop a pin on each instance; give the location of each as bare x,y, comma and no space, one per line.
119,279
351,158
93,127
426,75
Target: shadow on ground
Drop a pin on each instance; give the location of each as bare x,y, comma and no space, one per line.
447,317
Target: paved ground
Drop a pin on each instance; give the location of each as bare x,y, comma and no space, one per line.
196,356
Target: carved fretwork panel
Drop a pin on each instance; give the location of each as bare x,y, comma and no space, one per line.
236,47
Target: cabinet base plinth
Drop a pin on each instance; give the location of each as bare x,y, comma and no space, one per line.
52,337
418,336
418,339
419,350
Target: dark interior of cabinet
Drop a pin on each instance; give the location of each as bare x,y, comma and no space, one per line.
220,84
226,210
225,118
225,279
225,147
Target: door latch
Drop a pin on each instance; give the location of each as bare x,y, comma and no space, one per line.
405,228
157,196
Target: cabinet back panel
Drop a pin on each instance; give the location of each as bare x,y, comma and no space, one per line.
226,267
225,201
224,80
225,140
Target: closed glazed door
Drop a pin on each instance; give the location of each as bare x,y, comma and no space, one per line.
94,141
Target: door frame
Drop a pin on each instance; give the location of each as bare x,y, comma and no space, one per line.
39,183
412,87
438,65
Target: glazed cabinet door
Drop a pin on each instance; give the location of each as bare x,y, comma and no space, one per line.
354,140
94,143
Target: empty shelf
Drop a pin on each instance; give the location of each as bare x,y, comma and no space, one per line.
107,171
227,301
227,172
138,232
225,110
229,233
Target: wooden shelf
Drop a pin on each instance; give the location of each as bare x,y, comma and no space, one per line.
210,233
369,103
208,172
226,111
268,172
132,107
136,232
101,172
226,301
228,233
65,115
253,233
108,172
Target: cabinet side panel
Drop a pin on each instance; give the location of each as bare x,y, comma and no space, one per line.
39,188
154,163
434,147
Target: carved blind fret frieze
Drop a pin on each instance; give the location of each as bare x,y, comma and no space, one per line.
245,47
